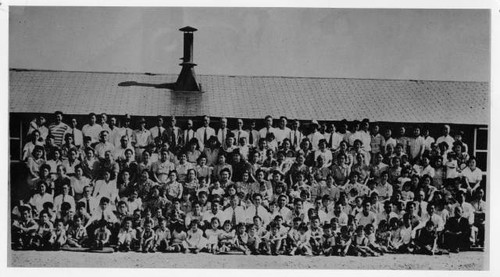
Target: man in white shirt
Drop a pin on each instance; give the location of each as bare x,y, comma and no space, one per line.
253,135
239,133
141,139
77,134
126,130
282,210
204,133
296,135
223,131
446,137
333,138
315,135
119,151
235,213
258,210
214,212
103,121
103,145
389,140
158,130
269,127
282,131
91,202
92,129
64,197
115,133
189,133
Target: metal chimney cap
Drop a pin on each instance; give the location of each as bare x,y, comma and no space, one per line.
188,29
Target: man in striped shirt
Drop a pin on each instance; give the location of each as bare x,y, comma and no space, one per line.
58,128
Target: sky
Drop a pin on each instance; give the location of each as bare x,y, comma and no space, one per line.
451,45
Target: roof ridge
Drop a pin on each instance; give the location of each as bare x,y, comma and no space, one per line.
245,76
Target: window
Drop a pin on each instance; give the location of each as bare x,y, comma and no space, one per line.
480,149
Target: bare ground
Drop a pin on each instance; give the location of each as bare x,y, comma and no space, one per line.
461,261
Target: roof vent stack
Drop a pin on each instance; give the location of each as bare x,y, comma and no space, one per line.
187,78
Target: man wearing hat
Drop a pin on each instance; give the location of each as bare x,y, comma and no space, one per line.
315,135
141,138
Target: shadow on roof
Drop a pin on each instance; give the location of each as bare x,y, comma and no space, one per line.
137,84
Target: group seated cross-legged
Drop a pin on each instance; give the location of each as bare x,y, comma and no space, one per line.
340,189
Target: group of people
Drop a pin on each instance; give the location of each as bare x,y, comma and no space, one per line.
341,188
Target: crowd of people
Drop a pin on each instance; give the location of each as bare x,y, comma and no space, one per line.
338,188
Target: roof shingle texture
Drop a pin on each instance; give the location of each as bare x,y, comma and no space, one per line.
33,91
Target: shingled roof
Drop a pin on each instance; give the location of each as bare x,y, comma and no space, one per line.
37,91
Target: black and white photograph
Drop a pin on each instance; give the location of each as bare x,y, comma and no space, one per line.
249,137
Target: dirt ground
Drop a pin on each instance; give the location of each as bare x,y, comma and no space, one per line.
461,261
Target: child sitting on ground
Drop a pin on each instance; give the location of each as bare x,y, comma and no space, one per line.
195,241
242,239
162,236
44,233
303,242
361,243
328,240
273,240
178,238
126,236
147,237
212,235
253,240
58,238
77,234
426,240
227,237
101,236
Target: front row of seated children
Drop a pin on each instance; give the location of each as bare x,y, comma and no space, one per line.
301,238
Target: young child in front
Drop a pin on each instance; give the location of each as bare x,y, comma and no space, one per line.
273,240
24,230
212,235
303,242
242,239
361,243
344,242
227,238
162,236
147,237
253,240
126,236
373,244
44,232
58,238
293,236
316,236
101,235
178,238
195,241
425,242
77,234
328,240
